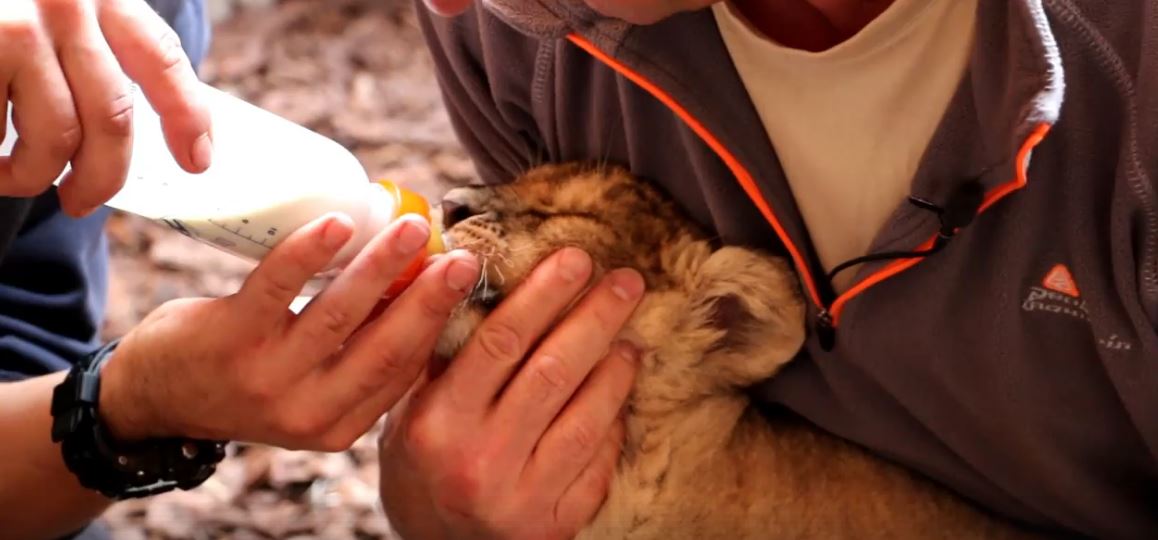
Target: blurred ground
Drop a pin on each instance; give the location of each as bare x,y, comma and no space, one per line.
357,71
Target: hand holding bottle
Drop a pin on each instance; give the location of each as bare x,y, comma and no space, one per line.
63,67
245,368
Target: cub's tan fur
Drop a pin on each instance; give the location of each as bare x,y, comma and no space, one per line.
699,461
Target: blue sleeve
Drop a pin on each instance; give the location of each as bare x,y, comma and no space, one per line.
54,274
52,290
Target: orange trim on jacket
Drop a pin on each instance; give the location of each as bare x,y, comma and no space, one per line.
749,185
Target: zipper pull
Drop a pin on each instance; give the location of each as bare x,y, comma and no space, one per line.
825,330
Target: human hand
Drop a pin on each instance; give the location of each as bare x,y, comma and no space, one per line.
633,11
246,368
495,447
63,67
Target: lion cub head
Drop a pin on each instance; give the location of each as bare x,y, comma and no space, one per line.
721,316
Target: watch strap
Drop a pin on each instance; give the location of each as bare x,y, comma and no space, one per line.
119,470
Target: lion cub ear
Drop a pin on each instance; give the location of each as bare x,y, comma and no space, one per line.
750,304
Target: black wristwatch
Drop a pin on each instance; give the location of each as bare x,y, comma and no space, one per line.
117,470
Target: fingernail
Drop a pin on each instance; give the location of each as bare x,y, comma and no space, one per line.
413,236
574,263
627,284
202,152
336,232
462,274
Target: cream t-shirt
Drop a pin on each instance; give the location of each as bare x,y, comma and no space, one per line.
851,123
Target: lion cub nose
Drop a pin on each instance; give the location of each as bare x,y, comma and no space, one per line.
457,207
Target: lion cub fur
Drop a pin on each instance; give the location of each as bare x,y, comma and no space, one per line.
699,460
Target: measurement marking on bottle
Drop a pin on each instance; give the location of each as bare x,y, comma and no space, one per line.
178,226
237,232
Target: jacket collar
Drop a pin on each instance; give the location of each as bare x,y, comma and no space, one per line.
1016,79
1014,88
553,19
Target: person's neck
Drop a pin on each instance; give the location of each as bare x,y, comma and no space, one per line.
810,25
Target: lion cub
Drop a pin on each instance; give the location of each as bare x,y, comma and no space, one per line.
699,461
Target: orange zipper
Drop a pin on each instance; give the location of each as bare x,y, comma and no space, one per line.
991,198
829,317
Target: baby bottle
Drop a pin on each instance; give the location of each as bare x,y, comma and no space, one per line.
269,176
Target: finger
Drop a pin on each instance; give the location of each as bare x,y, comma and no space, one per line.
569,445
583,498
383,304
334,314
150,53
402,408
383,361
550,377
498,346
103,102
366,414
45,117
269,290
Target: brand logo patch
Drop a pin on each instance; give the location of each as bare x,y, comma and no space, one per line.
1058,294
1060,279
1051,301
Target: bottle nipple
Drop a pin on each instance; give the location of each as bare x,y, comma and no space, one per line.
410,202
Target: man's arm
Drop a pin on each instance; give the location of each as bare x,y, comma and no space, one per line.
53,280
52,290
39,497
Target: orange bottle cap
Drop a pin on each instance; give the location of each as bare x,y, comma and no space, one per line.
410,202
